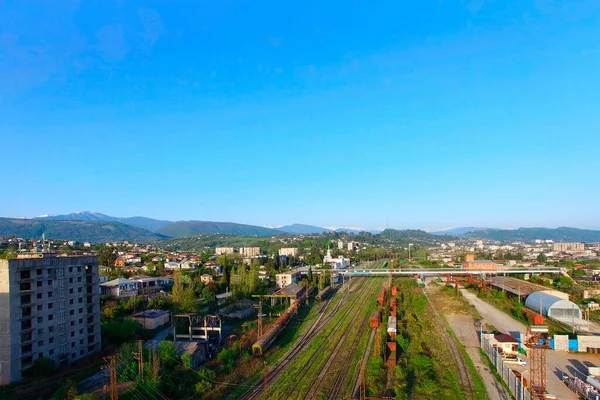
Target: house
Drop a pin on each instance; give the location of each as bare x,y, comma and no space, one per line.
213,266
120,288
206,278
120,262
172,266
507,344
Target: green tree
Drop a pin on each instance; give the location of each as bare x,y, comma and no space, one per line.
167,354
107,256
310,274
184,297
542,259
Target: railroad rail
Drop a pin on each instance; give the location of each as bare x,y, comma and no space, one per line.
446,271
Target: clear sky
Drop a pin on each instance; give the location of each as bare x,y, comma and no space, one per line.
432,114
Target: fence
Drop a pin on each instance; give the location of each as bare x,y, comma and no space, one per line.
512,381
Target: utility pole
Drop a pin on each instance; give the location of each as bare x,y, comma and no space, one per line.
114,391
139,356
260,318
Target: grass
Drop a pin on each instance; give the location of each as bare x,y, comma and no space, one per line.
479,391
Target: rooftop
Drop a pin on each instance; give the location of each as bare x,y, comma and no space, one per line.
505,338
151,313
292,290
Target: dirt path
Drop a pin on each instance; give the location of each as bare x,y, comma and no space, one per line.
464,328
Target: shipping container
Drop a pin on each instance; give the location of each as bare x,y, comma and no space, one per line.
375,319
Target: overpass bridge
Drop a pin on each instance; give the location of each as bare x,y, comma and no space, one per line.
445,271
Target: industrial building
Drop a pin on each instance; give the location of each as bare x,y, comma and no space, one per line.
49,308
472,263
553,306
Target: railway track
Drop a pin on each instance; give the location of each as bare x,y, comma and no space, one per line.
461,365
343,365
273,374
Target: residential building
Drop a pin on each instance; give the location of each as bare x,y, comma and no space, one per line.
288,252
250,251
471,263
507,343
223,250
172,265
564,247
284,279
353,246
340,244
49,308
119,288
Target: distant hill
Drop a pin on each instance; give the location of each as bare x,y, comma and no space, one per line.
415,236
300,229
530,234
457,231
150,224
185,228
81,231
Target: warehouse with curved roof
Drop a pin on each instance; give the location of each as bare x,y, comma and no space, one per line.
547,304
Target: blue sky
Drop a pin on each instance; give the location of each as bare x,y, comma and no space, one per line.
432,114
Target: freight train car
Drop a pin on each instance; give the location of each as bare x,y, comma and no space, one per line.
394,291
266,340
324,293
394,307
381,298
375,319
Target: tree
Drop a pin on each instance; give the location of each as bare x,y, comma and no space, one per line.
184,297
167,354
310,274
542,259
107,256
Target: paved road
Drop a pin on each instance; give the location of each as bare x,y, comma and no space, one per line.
557,362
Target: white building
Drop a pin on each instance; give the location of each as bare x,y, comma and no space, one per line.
560,247
339,262
284,279
353,246
288,252
250,251
223,250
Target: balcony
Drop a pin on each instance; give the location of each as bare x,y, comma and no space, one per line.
26,325
26,312
26,337
25,287
26,350
26,300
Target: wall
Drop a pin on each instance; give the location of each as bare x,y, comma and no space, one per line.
583,342
561,342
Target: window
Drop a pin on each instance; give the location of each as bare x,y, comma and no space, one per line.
40,343
72,323
38,272
80,341
40,307
50,306
73,334
25,275
70,280
79,279
50,271
51,352
40,332
71,301
80,310
79,290
51,317
39,295
50,282
70,291
81,351
40,320
51,340
41,354
80,321
80,300
73,345
40,283
70,269
73,355
81,332
51,329
72,312
78,269
50,294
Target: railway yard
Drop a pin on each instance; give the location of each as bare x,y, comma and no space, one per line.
372,337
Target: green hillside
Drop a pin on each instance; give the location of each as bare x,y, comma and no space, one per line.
81,231
185,228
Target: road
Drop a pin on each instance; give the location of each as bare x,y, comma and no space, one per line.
556,362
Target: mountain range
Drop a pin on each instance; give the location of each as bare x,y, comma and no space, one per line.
97,227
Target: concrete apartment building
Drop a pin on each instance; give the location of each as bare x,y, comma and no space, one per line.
284,279
560,247
250,251
223,250
288,252
49,308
